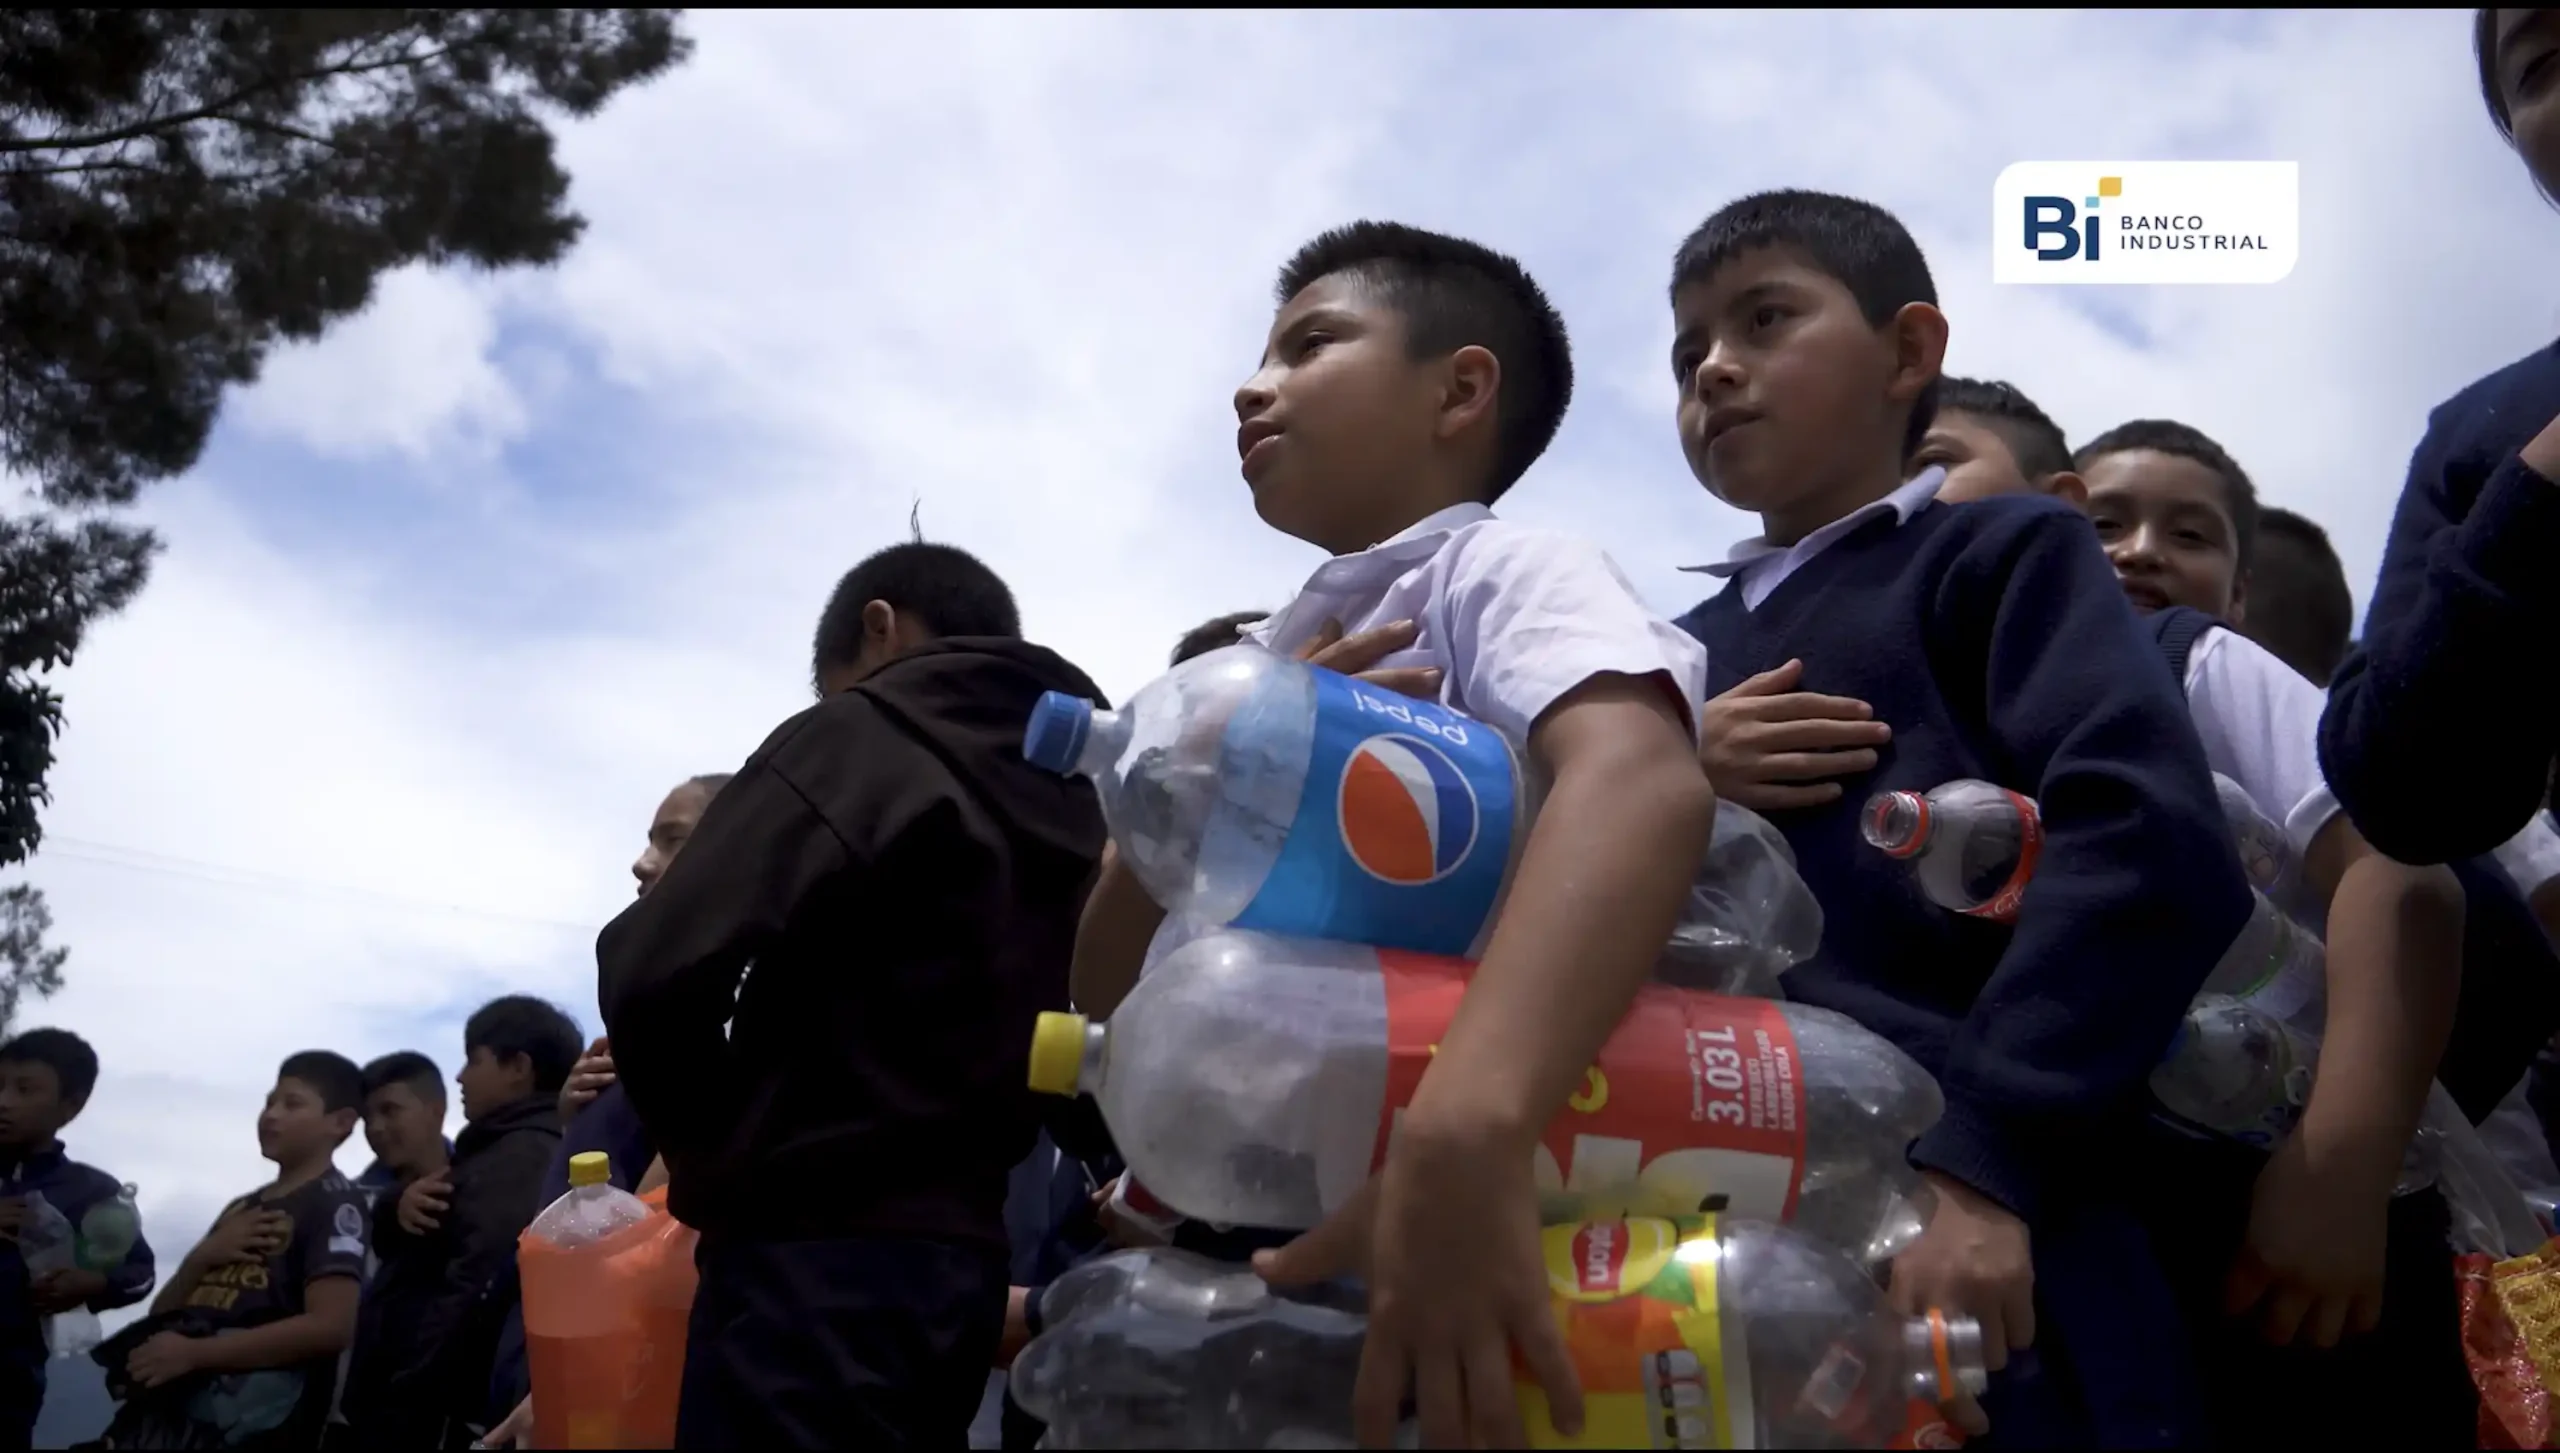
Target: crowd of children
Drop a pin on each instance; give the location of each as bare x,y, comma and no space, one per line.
819,1003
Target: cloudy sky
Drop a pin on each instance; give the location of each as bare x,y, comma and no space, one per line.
460,590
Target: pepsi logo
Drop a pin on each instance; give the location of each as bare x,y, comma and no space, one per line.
1408,815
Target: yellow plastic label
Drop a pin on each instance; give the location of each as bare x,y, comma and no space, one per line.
1636,1300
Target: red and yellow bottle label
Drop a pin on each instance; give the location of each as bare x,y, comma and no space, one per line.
1636,1300
1695,1098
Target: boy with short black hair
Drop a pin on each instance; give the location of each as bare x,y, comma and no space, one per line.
905,885
404,1127
2328,1252
1212,634
264,1304
46,1078
1988,641
1407,382
1992,440
435,1311
2304,611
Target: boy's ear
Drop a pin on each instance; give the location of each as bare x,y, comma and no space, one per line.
344,1122
2067,486
1471,382
2239,614
1918,333
71,1111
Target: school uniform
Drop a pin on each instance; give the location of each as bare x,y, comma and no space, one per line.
2436,737
1514,617
2259,721
906,887
1997,643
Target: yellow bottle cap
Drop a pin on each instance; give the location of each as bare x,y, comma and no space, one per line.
1057,1053
590,1168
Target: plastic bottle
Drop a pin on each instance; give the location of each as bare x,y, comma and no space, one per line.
47,1243
1689,1332
1255,1080
1248,788
1973,848
583,1323
108,1231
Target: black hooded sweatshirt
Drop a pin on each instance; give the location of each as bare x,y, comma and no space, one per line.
885,898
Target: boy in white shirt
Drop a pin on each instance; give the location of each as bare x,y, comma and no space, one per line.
1409,380
2178,518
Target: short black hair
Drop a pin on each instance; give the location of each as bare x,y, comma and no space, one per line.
2484,49
2034,439
1858,245
405,1067
1455,294
2299,605
520,1024
950,590
333,1076
73,1062
1209,636
2185,441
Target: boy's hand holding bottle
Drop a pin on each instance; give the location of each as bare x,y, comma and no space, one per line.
1971,1261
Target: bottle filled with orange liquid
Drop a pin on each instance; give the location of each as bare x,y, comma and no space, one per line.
608,1285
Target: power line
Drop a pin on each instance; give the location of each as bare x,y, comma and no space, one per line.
136,860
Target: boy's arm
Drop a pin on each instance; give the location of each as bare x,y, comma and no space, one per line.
2079,705
668,968
493,1201
322,1329
2395,973
191,1267
2460,609
1119,920
1624,826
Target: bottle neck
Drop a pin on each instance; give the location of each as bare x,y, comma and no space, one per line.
1944,1355
1094,1062
1106,734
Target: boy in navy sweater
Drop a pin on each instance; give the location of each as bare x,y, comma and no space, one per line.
2467,597
2330,1258
1992,642
46,1076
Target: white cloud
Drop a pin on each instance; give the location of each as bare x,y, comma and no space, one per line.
1014,268
410,375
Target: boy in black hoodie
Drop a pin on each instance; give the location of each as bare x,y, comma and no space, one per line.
906,888
431,1318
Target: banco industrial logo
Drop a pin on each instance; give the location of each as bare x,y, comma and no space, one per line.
2146,222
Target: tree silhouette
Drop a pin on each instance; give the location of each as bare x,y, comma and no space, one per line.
179,191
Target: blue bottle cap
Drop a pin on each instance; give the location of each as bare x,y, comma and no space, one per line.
1055,737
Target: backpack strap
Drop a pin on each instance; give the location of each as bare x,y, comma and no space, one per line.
2177,628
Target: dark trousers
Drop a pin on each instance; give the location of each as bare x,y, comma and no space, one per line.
871,1343
2404,1384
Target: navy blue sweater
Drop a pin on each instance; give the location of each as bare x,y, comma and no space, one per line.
1995,641
2436,739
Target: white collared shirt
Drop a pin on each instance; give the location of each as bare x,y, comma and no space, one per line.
1514,617
2260,723
1764,567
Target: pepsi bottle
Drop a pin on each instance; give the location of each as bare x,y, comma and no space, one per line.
1247,788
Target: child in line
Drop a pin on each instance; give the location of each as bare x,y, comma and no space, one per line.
2467,597
404,1127
1989,641
2301,608
46,1078
905,887
2329,1253
447,1241
1407,382
262,1307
